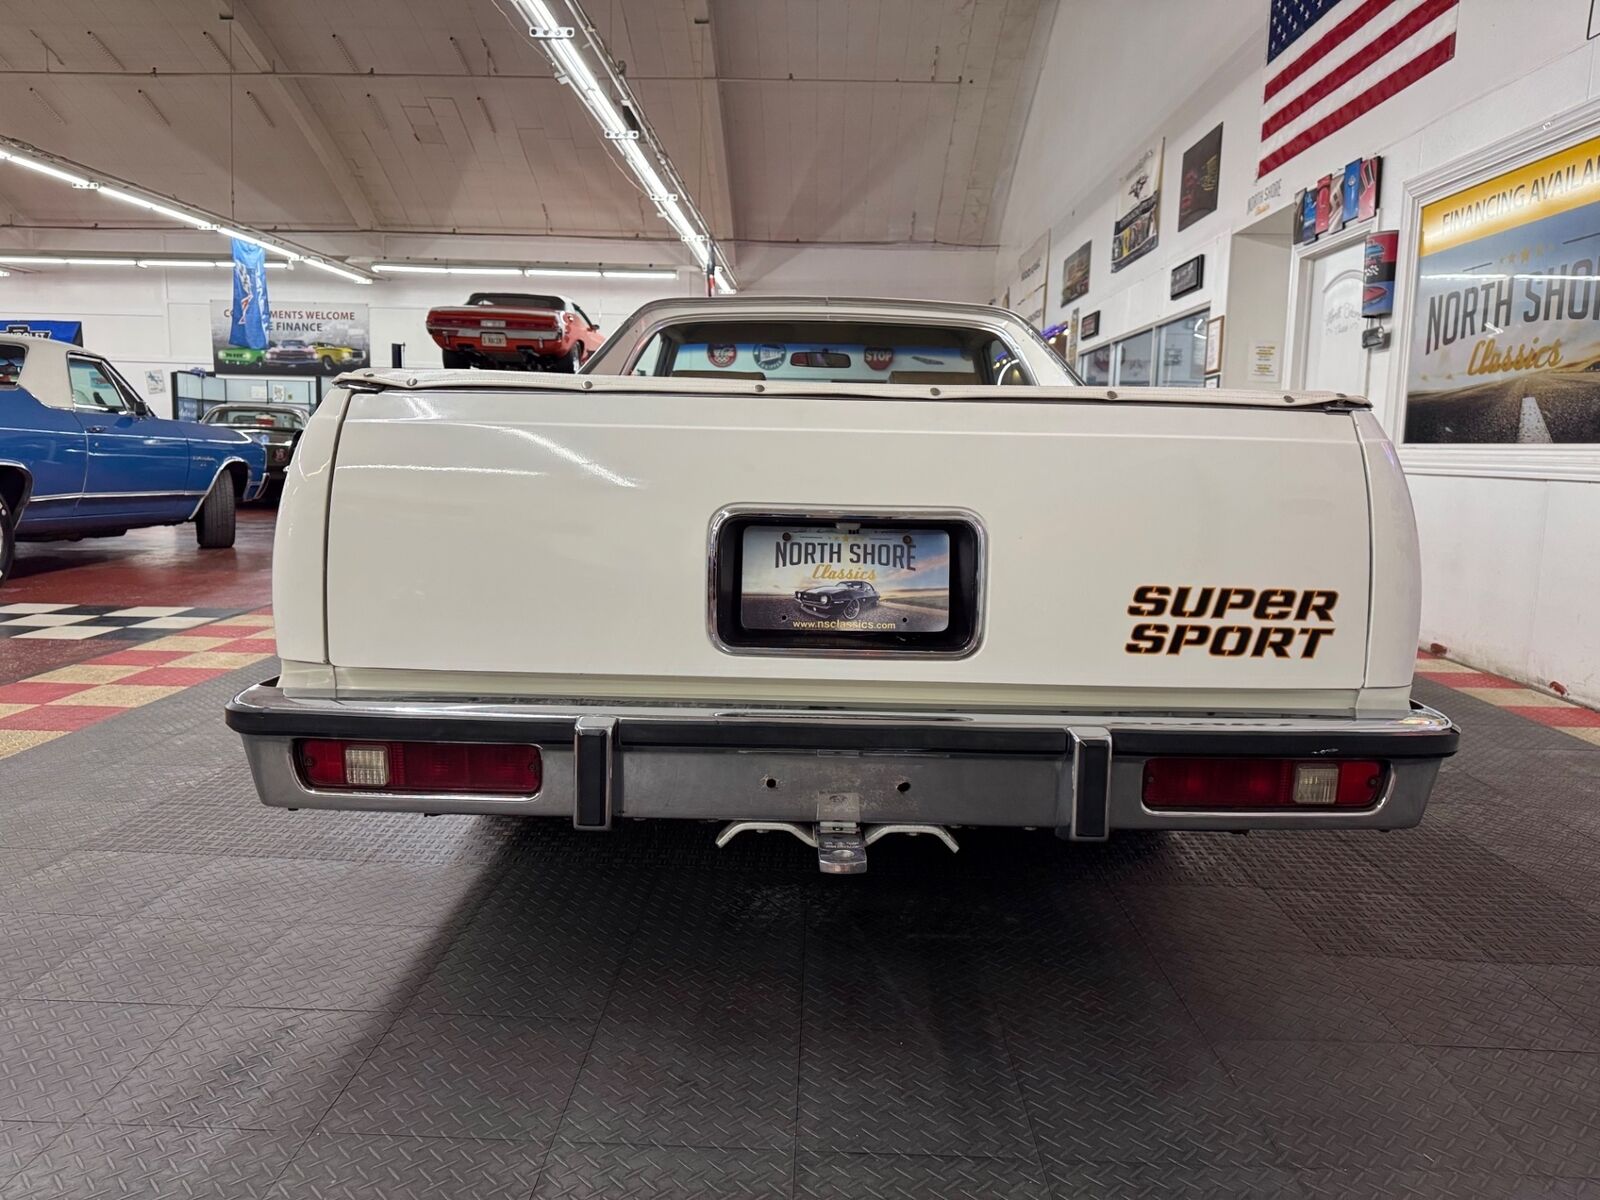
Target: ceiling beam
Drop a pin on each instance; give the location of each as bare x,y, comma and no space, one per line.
249,34
716,130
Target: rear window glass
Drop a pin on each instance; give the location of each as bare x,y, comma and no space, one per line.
830,352
258,418
511,300
11,364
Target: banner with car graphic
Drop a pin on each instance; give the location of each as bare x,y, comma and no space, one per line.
827,580
304,339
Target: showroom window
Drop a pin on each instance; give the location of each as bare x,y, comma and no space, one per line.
1170,355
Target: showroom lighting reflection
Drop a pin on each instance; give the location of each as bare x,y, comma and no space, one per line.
22,155
120,260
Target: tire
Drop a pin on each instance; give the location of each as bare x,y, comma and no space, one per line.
8,541
569,362
852,609
214,524
456,360
328,364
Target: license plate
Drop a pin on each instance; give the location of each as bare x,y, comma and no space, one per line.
827,581
494,339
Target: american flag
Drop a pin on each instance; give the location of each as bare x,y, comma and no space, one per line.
1329,61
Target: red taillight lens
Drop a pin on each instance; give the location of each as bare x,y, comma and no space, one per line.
1260,783
491,768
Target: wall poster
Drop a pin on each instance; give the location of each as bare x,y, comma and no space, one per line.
1197,189
1505,317
303,339
1138,208
1075,274
1033,270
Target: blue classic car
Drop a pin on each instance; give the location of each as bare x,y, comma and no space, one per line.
81,455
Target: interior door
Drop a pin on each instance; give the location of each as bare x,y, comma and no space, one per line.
138,464
1331,355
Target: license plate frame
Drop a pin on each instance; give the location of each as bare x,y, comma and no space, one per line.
908,621
492,339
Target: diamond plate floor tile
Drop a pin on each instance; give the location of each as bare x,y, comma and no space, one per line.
720,1083
100,883
407,894
1203,919
912,1177
156,962
63,823
1537,926
1329,1105
1575,989
1110,999
339,967
1250,997
1439,1185
246,1069
690,977
942,1087
20,1143
140,1164
1546,1104
58,1058
459,1076
1167,1100
265,889
339,1167
1175,1181
1468,1004
31,944
575,1171
1378,923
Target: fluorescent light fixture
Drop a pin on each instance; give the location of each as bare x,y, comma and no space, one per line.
55,260
630,273
329,267
41,260
564,272
172,214
225,231
183,262
22,160
410,269
722,283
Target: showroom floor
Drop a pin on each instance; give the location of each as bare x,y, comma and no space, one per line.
200,996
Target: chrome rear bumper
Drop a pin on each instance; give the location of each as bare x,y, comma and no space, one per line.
1080,773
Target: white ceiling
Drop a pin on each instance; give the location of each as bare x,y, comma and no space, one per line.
814,121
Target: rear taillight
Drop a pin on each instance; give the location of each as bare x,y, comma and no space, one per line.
490,768
1260,783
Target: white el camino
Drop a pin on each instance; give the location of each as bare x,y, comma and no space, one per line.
845,568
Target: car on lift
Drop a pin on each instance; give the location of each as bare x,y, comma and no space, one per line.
82,455
515,330
291,352
240,356
1139,609
275,426
843,599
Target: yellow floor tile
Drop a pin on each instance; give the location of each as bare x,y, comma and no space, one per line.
13,740
86,673
114,695
263,619
1442,665
1515,697
7,709
185,641
1592,736
217,658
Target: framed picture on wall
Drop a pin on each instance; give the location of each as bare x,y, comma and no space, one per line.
1214,346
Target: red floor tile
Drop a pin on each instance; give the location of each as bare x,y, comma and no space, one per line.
1468,679
37,693
60,716
1565,717
247,645
137,658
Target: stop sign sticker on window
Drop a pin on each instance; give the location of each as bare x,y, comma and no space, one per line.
722,356
878,357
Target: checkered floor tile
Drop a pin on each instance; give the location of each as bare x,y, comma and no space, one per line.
78,622
1544,707
171,658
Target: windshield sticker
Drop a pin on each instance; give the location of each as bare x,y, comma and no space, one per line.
722,356
769,357
828,581
878,357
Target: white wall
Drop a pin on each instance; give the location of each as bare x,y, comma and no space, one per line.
1510,567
